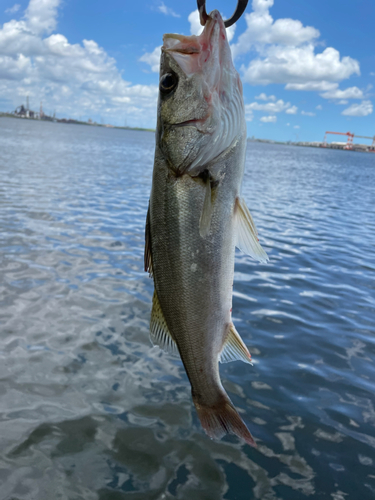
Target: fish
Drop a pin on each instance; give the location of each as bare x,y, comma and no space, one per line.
196,217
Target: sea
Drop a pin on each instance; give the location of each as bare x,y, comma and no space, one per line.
90,410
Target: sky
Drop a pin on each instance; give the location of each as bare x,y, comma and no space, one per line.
306,67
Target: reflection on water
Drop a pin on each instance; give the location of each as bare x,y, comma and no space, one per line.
88,410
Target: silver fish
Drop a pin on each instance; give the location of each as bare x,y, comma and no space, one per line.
196,217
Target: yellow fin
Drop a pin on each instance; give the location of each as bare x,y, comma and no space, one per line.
247,234
234,348
159,333
147,254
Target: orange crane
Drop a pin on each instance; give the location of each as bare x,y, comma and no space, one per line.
349,142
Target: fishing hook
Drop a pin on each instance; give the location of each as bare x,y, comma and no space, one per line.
240,9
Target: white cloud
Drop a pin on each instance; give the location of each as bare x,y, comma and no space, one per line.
342,102
153,59
292,110
296,126
269,107
363,109
249,115
308,113
349,93
286,53
312,86
14,68
262,30
196,28
299,65
74,79
319,107
268,119
41,15
12,10
167,10
195,25
288,124
264,97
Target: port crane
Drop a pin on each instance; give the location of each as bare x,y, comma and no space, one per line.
365,137
349,142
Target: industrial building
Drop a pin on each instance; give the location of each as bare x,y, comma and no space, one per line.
25,112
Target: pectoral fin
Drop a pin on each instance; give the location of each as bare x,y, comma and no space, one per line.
247,234
234,348
159,333
205,220
147,254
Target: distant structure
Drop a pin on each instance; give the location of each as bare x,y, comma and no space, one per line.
25,112
372,147
349,143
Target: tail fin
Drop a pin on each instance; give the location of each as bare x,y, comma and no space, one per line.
222,418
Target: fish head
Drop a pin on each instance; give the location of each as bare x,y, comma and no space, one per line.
200,108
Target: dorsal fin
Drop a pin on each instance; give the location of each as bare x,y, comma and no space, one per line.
247,234
147,254
159,333
234,348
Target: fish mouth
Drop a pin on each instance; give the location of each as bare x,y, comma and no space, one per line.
195,122
180,43
191,53
194,44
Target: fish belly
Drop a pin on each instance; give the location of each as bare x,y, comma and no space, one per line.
193,277
194,274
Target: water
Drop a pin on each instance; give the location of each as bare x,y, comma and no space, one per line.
88,410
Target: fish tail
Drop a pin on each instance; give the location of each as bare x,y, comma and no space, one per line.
222,418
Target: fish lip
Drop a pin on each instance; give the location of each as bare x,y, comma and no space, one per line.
186,123
198,123
187,51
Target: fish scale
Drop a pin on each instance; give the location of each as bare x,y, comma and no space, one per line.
196,217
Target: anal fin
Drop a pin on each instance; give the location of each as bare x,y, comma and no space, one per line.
159,333
234,348
247,234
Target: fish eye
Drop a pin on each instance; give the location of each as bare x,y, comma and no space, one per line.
168,82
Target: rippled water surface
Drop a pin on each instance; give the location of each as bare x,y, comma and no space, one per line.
89,410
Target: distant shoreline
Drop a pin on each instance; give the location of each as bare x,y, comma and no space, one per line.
359,148
71,121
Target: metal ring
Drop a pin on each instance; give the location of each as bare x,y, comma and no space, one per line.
240,9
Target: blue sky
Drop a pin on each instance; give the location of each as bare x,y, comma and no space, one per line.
307,67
